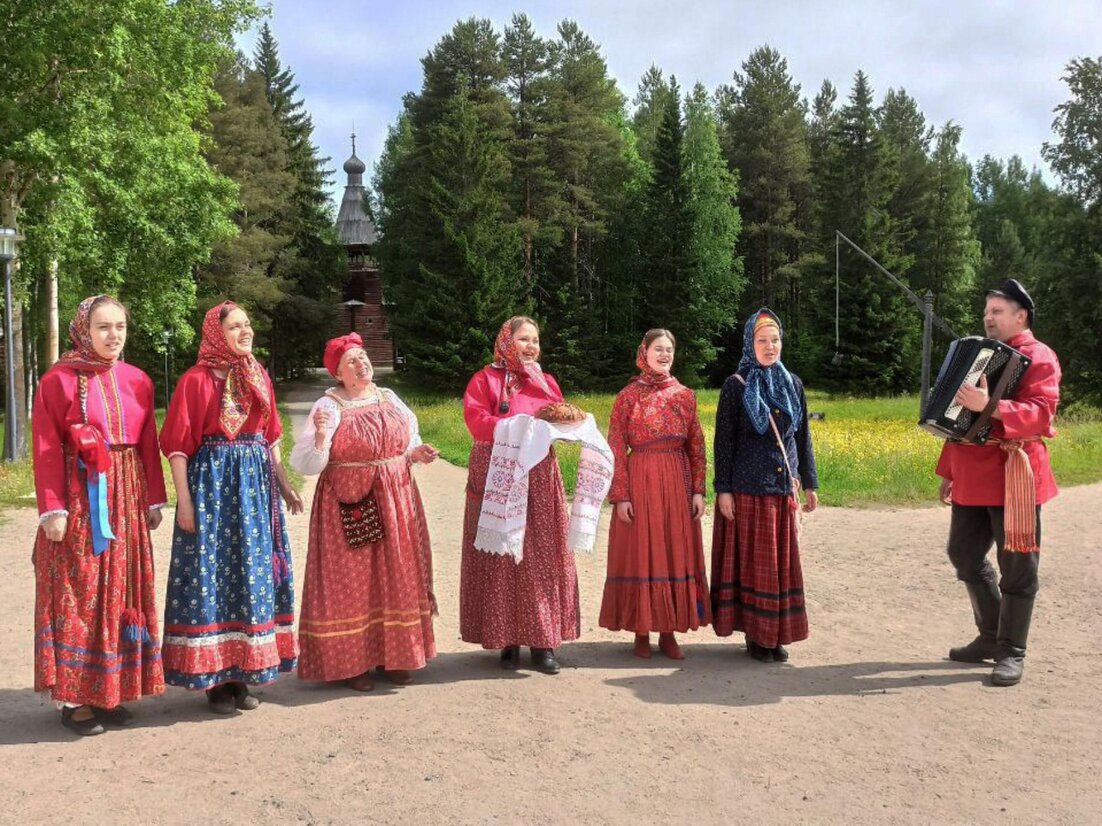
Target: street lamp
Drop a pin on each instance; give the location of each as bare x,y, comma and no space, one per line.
166,337
8,238
352,305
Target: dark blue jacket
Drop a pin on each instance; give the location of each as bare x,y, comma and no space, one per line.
746,462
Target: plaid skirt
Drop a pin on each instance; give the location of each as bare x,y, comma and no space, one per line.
757,581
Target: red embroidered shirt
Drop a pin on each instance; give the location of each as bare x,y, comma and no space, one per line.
644,413
120,405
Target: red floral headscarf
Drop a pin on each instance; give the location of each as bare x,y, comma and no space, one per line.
335,349
507,356
647,374
83,355
245,379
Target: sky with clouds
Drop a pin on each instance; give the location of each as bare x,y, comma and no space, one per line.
993,67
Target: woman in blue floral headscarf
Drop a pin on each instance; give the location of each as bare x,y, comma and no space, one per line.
757,582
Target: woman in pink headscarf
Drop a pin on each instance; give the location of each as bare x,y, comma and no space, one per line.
230,606
100,489
367,600
504,604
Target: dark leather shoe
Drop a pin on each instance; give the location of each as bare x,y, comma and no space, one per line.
780,654
117,716
759,652
221,699
981,648
243,698
510,657
543,660
1008,671
85,728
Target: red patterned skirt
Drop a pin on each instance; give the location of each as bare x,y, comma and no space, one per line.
81,655
535,601
368,606
656,578
757,581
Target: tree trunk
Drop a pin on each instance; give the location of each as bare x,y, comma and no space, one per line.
52,340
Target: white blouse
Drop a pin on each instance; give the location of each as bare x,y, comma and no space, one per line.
309,460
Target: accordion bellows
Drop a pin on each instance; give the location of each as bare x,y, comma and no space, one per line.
968,359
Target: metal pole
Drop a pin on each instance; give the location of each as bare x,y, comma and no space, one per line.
927,345
11,415
837,293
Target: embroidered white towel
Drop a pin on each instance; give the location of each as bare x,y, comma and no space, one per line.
520,443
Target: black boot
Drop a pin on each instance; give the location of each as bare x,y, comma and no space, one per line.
985,609
543,660
1014,616
510,657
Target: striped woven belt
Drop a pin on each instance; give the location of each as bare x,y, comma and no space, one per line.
1019,497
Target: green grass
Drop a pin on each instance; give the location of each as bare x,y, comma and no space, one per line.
17,478
869,451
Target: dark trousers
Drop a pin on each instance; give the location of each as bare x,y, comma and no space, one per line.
972,532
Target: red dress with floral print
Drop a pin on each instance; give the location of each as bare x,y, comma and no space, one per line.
502,602
368,606
656,577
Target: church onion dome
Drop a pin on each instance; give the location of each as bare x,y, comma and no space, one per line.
354,166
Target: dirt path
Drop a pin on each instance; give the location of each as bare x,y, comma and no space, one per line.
868,724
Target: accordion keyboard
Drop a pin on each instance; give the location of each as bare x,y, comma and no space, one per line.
978,366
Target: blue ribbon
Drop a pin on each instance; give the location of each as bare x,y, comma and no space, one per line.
98,511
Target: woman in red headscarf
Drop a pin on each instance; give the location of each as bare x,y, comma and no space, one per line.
367,599
504,604
656,578
100,489
230,603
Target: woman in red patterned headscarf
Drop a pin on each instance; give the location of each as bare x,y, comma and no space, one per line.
230,604
100,489
656,576
504,604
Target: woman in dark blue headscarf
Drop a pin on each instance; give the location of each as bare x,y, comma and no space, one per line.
757,581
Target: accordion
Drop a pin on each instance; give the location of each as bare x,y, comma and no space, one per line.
967,360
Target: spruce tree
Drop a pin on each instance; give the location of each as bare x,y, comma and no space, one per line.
713,274
314,263
875,318
764,134
466,279
249,148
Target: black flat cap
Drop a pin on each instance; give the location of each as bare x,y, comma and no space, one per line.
1012,289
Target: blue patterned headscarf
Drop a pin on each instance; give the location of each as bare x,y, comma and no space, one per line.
767,387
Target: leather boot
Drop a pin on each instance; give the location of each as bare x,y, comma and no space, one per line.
1014,617
543,660
985,610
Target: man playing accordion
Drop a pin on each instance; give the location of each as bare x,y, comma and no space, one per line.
996,491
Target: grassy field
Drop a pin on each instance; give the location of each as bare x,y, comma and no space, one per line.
869,451
17,478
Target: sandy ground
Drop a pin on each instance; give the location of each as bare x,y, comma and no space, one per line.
869,723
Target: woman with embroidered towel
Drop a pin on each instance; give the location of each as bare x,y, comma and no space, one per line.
367,598
518,581
757,581
100,489
656,577
229,611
